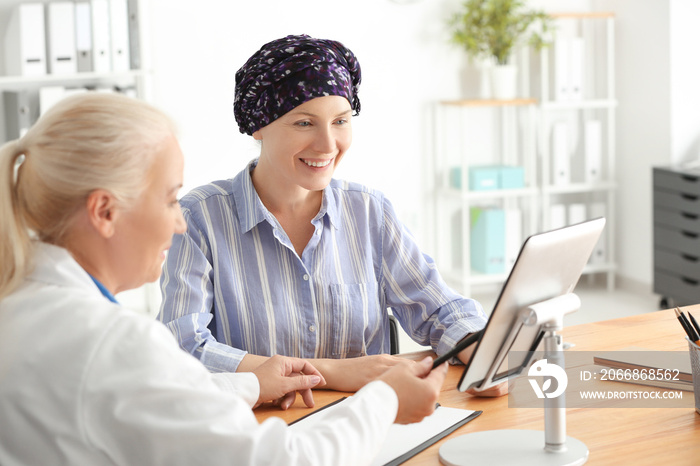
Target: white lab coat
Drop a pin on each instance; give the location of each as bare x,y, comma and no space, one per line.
86,382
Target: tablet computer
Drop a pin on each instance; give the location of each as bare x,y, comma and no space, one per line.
548,265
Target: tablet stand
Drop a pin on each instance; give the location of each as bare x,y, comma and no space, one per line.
524,447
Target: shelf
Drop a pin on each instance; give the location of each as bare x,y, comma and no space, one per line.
579,104
478,278
475,278
599,268
454,193
489,102
579,188
76,78
492,194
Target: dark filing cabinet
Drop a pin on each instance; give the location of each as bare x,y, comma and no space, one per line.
676,236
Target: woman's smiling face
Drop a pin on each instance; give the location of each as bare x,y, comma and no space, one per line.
303,147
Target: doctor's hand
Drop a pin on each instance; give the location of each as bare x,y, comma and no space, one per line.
281,377
417,388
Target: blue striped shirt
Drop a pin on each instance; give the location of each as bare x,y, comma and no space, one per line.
234,283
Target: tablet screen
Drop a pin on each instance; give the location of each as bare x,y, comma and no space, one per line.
549,265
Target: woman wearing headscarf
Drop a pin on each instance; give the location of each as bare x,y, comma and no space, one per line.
284,259
88,207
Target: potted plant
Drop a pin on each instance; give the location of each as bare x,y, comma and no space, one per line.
493,29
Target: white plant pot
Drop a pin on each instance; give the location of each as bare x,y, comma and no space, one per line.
485,68
476,79
504,82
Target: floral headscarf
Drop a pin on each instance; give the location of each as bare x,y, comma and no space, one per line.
287,72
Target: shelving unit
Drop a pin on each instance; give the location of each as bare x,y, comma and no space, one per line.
147,297
78,78
136,79
595,103
467,133
461,142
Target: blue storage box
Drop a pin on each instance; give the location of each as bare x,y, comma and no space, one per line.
488,242
512,177
481,178
456,177
484,178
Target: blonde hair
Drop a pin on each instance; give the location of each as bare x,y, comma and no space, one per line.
85,142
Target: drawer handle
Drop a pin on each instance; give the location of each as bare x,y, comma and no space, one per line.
689,197
689,234
690,178
690,216
689,258
689,281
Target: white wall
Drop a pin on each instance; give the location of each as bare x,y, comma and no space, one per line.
643,126
685,80
658,119
407,63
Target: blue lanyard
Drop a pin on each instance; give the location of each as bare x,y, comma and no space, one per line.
104,290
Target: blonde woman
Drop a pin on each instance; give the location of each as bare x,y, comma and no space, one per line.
88,208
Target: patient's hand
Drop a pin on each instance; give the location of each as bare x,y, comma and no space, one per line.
497,390
349,375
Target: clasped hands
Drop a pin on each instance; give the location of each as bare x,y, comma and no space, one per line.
417,386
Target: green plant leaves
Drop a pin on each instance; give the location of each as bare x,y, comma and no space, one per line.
495,27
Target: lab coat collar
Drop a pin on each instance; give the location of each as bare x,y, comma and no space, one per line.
54,265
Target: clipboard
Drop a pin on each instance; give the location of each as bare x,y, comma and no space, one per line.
404,441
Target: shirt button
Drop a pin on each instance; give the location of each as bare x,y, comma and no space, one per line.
318,232
306,277
312,328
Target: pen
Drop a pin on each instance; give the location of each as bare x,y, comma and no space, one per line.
677,310
464,343
694,322
693,332
690,331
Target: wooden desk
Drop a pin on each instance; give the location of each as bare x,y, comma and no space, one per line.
613,435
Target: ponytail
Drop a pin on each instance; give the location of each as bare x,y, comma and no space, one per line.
15,242
85,142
